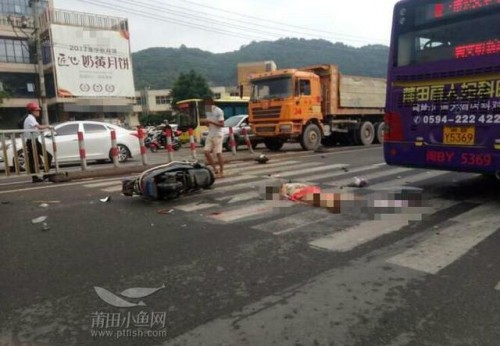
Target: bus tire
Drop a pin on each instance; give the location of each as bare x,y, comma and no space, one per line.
379,130
273,144
311,137
366,133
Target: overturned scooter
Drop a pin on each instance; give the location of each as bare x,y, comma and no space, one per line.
169,181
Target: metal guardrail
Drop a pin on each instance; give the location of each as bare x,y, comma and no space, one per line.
14,152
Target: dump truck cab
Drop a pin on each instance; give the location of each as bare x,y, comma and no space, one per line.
283,103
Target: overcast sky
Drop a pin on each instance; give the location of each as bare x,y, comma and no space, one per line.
225,25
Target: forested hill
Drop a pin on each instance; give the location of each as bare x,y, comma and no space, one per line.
158,68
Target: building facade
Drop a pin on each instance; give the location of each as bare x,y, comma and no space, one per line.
85,58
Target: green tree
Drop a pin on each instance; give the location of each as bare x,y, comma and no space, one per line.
3,95
190,86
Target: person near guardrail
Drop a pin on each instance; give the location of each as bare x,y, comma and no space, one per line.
213,143
31,123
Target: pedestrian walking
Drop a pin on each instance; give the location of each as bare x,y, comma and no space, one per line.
31,123
213,143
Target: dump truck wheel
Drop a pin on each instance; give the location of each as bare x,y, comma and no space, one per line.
311,137
379,129
366,133
273,144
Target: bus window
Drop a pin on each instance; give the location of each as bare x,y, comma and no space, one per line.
431,42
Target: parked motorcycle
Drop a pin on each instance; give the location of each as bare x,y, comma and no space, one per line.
158,140
169,181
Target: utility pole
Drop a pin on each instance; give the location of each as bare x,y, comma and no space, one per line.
39,58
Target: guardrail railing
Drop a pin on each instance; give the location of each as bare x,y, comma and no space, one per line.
15,148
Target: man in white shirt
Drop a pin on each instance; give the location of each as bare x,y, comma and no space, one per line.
213,144
31,123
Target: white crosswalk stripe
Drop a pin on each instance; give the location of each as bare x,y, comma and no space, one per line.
412,179
240,197
371,176
313,178
291,223
369,230
446,246
312,170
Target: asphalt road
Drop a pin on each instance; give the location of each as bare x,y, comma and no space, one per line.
410,259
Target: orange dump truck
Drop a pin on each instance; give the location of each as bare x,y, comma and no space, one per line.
316,105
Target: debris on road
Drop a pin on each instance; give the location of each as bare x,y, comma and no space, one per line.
262,159
45,227
106,199
44,205
165,211
358,182
39,219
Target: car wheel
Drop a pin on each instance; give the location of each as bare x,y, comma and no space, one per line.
123,153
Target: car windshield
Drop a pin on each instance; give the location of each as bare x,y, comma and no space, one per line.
233,121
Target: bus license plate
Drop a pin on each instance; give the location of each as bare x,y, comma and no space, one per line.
459,135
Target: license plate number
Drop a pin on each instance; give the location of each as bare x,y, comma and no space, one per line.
459,135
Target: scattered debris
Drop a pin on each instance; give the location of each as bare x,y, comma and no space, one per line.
262,159
320,149
39,219
358,182
106,199
345,169
165,211
45,227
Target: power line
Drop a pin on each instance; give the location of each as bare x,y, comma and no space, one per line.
166,19
274,22
224,28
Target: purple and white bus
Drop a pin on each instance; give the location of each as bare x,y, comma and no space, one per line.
443,86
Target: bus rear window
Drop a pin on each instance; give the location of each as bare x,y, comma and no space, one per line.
450,40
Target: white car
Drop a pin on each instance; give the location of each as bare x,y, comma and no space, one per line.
97,138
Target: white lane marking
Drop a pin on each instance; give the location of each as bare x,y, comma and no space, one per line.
52,186
245,196
311,170
293,222
321,176
371,176
352,237
195,206
116,188
446,246
268,169
255,166
367,231
240,213
104,183
410,179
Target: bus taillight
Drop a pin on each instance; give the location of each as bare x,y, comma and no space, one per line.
393,130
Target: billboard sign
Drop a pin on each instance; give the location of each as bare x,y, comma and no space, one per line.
92,62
